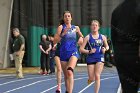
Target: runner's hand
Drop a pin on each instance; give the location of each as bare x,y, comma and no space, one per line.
65,31
54,48
47,52
92,51
103,49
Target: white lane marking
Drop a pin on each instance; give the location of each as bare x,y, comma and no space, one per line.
4,75
119,89
28,85
109,74
62,84
23,80
26,79
37,77
10,75
94,82
101,75
1,75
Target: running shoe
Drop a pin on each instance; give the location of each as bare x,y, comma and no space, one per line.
43,73
89,81
58,90
66,92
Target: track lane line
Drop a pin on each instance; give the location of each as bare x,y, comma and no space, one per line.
94,82
28,85
23,80
74,79
61,84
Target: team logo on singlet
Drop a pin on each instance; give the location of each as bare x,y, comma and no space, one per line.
71,33
74,53
98,42
71,30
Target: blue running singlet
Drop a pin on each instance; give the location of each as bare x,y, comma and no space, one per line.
98,56
68,46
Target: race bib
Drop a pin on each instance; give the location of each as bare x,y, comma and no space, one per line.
102,59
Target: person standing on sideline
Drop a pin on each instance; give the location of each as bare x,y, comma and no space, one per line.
45,47
97,46
19,49
11,40
108,54
68,48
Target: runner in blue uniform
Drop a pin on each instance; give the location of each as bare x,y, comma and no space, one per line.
96,47
66,35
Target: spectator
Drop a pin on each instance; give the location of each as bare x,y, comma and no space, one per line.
45,48
108,54
19,49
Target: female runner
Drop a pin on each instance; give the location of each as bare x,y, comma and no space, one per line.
97,45
68,52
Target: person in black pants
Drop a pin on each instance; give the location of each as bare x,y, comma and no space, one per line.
108,54
52,54
45,47
125,33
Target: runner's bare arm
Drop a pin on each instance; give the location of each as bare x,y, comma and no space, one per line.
105,43
57,37
80,40
82,47
78,31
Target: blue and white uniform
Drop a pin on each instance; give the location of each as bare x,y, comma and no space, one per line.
98,56
68,46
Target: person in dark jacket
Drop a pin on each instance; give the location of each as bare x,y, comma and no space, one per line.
45,47
125,33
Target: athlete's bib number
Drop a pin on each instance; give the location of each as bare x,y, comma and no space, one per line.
102,59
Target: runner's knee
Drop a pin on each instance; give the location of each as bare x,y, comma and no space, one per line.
97,76
70,71
58,69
